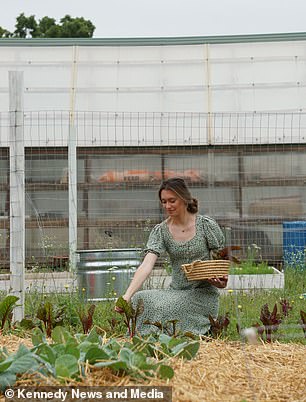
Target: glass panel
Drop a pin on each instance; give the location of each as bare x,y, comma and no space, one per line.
4,169
274,201
280,165
260,242
225,167
118,169
122,205
47,204
46,166
218,202
193,168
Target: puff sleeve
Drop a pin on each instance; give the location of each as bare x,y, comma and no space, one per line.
155,243
213,233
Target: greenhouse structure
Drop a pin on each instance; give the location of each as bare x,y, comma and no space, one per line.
90,127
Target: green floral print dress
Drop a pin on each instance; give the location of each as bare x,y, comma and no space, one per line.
189,302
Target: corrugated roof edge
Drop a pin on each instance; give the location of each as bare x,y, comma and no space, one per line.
154,41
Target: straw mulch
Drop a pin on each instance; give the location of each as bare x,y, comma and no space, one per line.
12,342
221,371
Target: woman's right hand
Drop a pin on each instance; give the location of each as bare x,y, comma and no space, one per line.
219,282
118,310
141,274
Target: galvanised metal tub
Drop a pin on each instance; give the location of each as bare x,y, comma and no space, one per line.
105,274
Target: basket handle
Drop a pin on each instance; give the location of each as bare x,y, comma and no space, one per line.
189,269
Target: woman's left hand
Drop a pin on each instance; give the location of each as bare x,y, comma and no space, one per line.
219,282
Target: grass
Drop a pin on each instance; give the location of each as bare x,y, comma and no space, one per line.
250,268
243,307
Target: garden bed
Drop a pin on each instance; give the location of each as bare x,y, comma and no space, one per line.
273,280
241,281
222,367
222,370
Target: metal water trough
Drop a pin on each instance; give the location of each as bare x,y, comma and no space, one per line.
105,274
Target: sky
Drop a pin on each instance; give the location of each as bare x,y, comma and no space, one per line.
158,18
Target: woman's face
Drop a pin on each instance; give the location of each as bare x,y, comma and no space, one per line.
172,203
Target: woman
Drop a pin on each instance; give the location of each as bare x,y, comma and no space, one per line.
186,236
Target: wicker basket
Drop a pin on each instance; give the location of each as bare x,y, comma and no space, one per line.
201,270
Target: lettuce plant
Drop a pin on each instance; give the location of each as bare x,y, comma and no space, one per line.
270,320
219,325
285,306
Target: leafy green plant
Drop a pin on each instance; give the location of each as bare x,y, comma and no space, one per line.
113,323
130,314
226,254
169,327
250,268
303,321
86,316
50,316
270,320
219,325
136,364
254,253
6,310
285,306
175,346
11,365
67,355
28,323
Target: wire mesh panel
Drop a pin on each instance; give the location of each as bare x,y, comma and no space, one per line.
46,176
4,191
234,164
4,207
253,209
250,177
116,196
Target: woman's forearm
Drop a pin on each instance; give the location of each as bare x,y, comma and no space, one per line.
140,276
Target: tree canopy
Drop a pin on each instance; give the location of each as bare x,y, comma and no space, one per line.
68,27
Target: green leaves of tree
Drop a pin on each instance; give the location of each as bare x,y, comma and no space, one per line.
68,27
26,25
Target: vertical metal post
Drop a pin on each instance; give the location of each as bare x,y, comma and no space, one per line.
17,191
72,169
208,84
